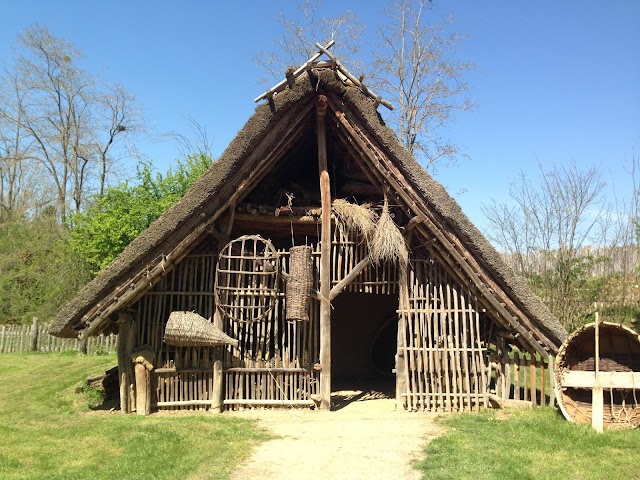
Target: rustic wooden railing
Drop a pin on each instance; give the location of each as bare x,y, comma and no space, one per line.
35,338
521,377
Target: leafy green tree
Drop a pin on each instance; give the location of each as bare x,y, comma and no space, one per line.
105,229
38,270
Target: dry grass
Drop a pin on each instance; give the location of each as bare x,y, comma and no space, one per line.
354,218
387,243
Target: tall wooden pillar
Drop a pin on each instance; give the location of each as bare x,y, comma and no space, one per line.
325,256
126,344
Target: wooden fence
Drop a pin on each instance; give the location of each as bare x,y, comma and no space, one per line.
521,377
34,338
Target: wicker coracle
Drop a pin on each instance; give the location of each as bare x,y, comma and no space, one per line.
188,329
619,352
299,283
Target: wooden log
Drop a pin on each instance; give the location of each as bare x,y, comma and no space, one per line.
532,378
350,277
124,349
257,402
34,335
218,387
143,390
182,403
325,256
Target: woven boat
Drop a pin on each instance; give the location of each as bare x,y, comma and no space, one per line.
188,329
619,357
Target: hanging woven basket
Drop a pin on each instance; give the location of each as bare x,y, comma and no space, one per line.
299,283
188,329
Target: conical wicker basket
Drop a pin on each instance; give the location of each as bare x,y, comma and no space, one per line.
188,329
299,283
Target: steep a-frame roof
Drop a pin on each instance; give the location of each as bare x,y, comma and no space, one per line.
265,138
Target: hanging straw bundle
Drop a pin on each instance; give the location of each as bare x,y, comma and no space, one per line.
387,243
359,219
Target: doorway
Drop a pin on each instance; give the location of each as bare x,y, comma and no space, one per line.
363,346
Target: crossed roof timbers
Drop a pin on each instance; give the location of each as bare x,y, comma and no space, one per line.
443,241
314,63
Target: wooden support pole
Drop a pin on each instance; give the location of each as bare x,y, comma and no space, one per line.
218,387
34,335
597,394
143,390
125,347
350,277
325,256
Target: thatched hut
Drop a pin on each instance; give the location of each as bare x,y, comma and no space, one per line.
425,311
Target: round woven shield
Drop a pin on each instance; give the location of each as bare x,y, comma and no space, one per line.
247,278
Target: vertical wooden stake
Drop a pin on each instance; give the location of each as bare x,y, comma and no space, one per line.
597,396
325,256
34,335
143,390
218,387
126,343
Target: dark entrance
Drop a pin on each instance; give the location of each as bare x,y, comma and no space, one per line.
363,342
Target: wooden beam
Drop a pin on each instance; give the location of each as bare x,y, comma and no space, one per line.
350,277
325,256
587,379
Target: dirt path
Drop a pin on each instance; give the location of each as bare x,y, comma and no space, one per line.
364,439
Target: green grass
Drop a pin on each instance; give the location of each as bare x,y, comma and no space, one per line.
47,430
529,444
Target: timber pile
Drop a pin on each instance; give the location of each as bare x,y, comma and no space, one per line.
611,363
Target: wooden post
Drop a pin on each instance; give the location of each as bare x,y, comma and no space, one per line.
218,375
218,387
597,395
325,256
125,347
34,335
143,389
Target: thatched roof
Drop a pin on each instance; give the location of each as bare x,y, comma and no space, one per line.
211,193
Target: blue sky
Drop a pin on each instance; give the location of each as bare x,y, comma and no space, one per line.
555,80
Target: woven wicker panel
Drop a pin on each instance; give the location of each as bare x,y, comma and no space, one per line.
299,283
188,329
247,278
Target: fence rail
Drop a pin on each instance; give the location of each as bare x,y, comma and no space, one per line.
35,338
521,376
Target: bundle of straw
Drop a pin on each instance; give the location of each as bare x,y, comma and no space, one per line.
353,218
387,243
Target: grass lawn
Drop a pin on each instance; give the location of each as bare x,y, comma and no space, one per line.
529,444
47,430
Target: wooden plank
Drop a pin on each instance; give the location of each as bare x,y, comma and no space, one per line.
258,402
587,379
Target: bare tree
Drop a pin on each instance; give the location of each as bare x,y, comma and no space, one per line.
71,119
300,34
415,68
547,225
197,142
